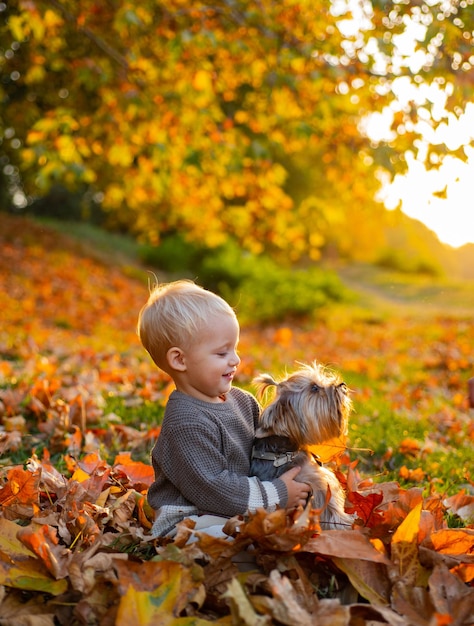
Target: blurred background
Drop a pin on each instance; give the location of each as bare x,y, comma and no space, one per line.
291,144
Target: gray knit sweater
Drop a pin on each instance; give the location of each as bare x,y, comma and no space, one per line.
202,460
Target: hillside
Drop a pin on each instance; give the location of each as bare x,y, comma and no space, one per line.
378,289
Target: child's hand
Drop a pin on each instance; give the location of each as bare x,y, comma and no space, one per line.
297,492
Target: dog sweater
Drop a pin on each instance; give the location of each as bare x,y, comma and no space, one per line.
201,461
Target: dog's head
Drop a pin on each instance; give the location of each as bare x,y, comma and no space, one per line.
310,406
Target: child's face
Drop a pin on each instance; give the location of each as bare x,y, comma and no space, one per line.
212,360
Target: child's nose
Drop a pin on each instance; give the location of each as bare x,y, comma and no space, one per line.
235,358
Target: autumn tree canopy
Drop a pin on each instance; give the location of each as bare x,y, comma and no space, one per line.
232,119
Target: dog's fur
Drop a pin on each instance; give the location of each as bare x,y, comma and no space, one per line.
311,406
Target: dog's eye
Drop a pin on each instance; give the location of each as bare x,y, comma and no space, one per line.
342,387
315,387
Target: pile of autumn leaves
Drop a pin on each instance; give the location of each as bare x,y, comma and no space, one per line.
78,551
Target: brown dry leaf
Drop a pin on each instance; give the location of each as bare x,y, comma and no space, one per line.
370,579
397,509
284,604
121,510
51,481
91,462
390,491
367,615
16,611
89,566
413,603
462,505
434,504
76,517
10,441
450,596
427,526
279,531
351,544
287,610
183,532
305,591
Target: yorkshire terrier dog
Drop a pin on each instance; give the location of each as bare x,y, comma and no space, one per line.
311,406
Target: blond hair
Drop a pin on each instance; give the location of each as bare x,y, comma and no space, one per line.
174,315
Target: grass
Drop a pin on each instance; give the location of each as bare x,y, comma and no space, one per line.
422,294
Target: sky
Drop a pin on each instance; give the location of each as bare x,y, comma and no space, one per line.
450,216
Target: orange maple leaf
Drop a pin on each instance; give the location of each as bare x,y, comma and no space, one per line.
364,507
22,487
43,541
454,541
138,473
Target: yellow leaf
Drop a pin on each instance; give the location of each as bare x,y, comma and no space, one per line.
19,568
405,548
35,74
80,475
329,449
52,19
174,589
241,608
19,27
67,149
9,542
202,81
408,529
120,155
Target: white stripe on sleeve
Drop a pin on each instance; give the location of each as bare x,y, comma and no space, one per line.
257,499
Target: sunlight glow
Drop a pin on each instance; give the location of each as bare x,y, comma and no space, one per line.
450,217
441,198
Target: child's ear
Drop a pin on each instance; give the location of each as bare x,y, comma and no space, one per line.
175,358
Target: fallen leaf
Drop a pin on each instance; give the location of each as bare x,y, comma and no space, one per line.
370,579
43,541
364,506
462,505
454,541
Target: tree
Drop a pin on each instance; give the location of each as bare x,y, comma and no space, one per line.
237,119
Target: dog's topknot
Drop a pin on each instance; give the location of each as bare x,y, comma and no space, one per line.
263,382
